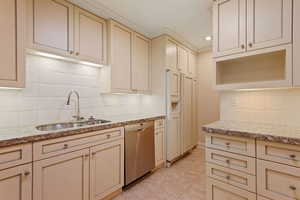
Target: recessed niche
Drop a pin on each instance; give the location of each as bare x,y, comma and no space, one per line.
256,68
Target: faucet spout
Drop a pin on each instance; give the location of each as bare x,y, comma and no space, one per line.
77,116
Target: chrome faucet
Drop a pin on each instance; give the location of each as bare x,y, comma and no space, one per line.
77,116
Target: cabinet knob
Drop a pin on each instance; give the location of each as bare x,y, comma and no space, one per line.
243,46
77,54
108,136
66,146
227,177
228,161
227,144
71,52
250,44
292,187
293,156
94,153
26,173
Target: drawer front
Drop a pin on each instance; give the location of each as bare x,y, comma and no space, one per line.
233,161
261,198
277,152
237,145
15,155
277,181
159,124
218,191
232,177
49,148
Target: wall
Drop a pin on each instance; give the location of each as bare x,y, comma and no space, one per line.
208,98
48,82
280,106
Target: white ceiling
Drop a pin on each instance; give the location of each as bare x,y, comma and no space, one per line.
187,20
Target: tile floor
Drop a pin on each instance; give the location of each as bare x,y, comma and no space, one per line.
185,180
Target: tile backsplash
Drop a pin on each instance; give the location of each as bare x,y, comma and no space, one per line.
48,82
280,106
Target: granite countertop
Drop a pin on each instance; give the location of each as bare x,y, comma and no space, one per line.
21,135
260,131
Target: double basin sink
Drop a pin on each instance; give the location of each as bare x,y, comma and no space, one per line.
66,125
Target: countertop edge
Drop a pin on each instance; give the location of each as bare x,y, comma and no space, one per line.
65,133
258,136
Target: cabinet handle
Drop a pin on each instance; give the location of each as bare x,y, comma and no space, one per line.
26,173
71,52
250,44
87,155
227,177
108,136
292,156
66,146
228,161
227,144
292,187
94,153
77,54
243,46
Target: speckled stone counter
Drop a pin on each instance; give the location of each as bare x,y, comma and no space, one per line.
15,136
260,131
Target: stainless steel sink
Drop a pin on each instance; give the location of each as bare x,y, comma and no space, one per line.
65,125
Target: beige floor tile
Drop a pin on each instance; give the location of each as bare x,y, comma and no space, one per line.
184,180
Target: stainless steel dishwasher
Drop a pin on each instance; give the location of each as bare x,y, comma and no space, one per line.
139,150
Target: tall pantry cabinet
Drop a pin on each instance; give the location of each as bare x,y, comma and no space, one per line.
12,22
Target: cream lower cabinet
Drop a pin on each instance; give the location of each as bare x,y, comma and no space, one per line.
106,169
159,142
272,173
16,183
62,177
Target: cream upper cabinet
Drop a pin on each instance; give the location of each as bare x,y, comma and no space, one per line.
90,37
62,177
296,45
141,64
192,67
171,54
121,50
51,26
269,23
229,27
12,67
106,169
183,57
16,183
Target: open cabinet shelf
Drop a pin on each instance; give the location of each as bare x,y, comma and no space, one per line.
266,68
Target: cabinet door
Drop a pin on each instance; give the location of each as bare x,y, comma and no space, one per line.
296,45
171,53
173,136
192,69
159,146
90,37
187,86
194,114
229,27
269,23
141,64
62,177
16,183
12,48
121,43
50,26
183,60
106,169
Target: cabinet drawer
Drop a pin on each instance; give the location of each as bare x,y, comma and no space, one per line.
217,191
233,161
232,177
58,146
261,198
277,181
238,145
159,124
15,155
277,152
